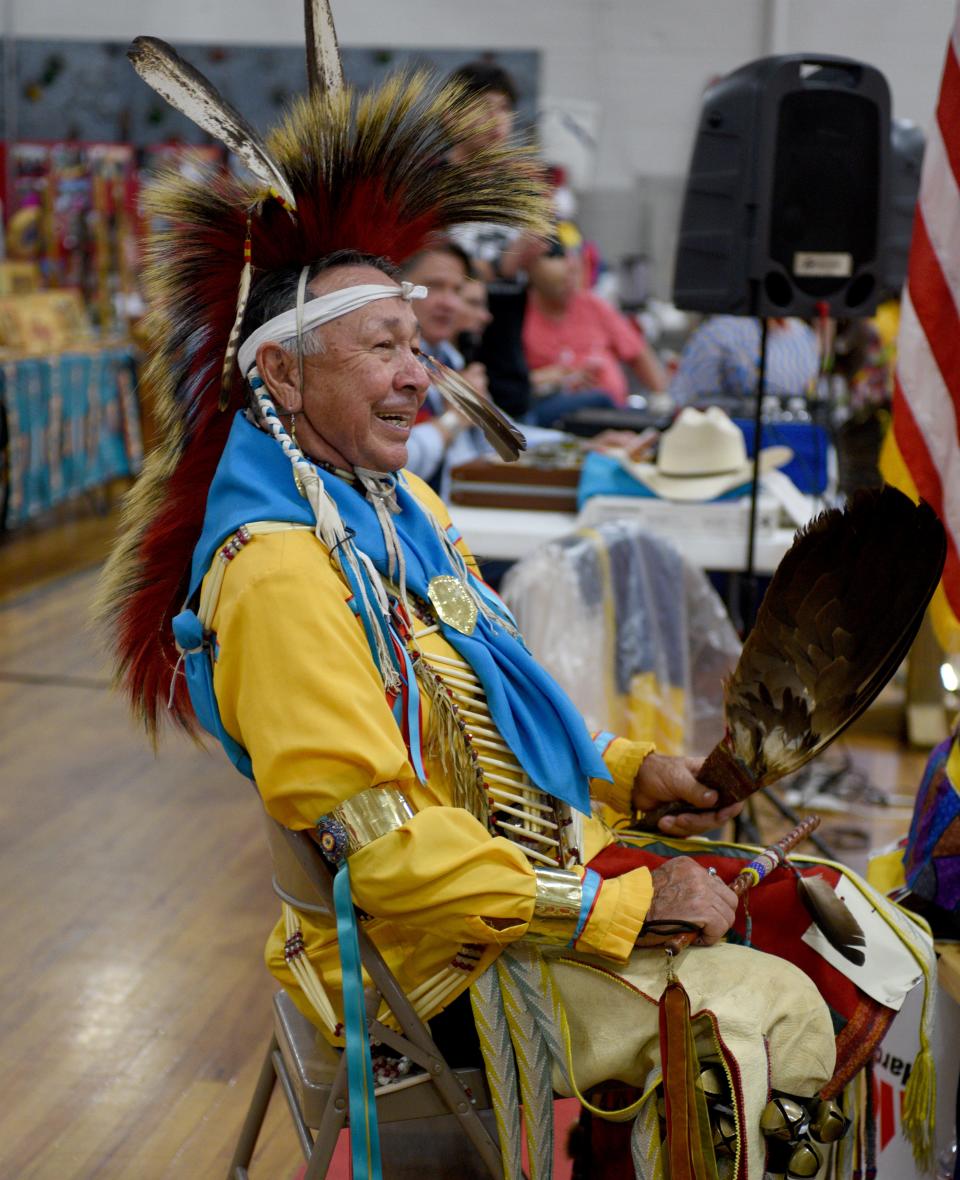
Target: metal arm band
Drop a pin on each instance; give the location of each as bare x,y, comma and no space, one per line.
359,821
556,907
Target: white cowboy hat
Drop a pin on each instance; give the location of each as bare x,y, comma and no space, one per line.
701,456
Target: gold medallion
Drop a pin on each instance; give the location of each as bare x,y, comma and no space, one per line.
453,603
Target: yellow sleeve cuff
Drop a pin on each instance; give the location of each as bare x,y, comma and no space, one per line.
623,758
442,872
618,913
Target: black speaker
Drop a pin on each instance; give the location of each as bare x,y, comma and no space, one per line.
786,194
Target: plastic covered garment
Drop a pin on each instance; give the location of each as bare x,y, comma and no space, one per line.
636,635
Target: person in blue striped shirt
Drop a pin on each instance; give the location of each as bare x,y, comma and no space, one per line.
723,355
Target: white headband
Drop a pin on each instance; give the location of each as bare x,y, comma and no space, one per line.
320,311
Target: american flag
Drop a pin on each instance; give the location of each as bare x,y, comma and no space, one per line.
921,453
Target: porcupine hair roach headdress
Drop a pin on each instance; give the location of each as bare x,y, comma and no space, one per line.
371,173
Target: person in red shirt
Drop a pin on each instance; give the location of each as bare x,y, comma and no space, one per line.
575,341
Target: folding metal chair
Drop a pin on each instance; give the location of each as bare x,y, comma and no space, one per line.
430,1123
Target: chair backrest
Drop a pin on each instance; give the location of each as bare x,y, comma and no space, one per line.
303,878
296,879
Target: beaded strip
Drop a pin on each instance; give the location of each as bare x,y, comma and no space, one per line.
233,546
768,860
486,773
303,971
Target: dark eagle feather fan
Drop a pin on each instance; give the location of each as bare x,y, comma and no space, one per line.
837,620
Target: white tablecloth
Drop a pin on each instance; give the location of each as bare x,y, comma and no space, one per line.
712,536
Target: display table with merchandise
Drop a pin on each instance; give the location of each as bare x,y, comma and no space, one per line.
69,423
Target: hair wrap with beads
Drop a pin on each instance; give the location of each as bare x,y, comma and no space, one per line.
355,565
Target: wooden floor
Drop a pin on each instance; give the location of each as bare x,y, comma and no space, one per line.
134,902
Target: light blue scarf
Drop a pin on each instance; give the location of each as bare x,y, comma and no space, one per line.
535,718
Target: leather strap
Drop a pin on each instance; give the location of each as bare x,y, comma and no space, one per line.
689,1139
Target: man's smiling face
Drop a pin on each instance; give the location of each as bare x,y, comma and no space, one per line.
362,393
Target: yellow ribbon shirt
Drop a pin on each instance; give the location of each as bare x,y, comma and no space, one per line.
297,687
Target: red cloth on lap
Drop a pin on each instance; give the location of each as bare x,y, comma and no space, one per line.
779,920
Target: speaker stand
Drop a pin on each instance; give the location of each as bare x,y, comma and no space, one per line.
750,593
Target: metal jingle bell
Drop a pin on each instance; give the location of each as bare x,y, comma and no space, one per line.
713,1083
784,1118
724,1135
805,1161
778,1156
828,1123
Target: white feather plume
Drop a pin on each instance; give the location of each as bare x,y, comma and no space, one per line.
324,68
189,92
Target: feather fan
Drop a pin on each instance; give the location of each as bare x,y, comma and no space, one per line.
837,620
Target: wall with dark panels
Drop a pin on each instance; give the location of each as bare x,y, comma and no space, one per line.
88,90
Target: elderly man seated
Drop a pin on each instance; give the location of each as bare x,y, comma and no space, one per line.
337,639
484,838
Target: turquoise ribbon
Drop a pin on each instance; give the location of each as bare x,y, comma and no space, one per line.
589,889
364,1132
602,739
